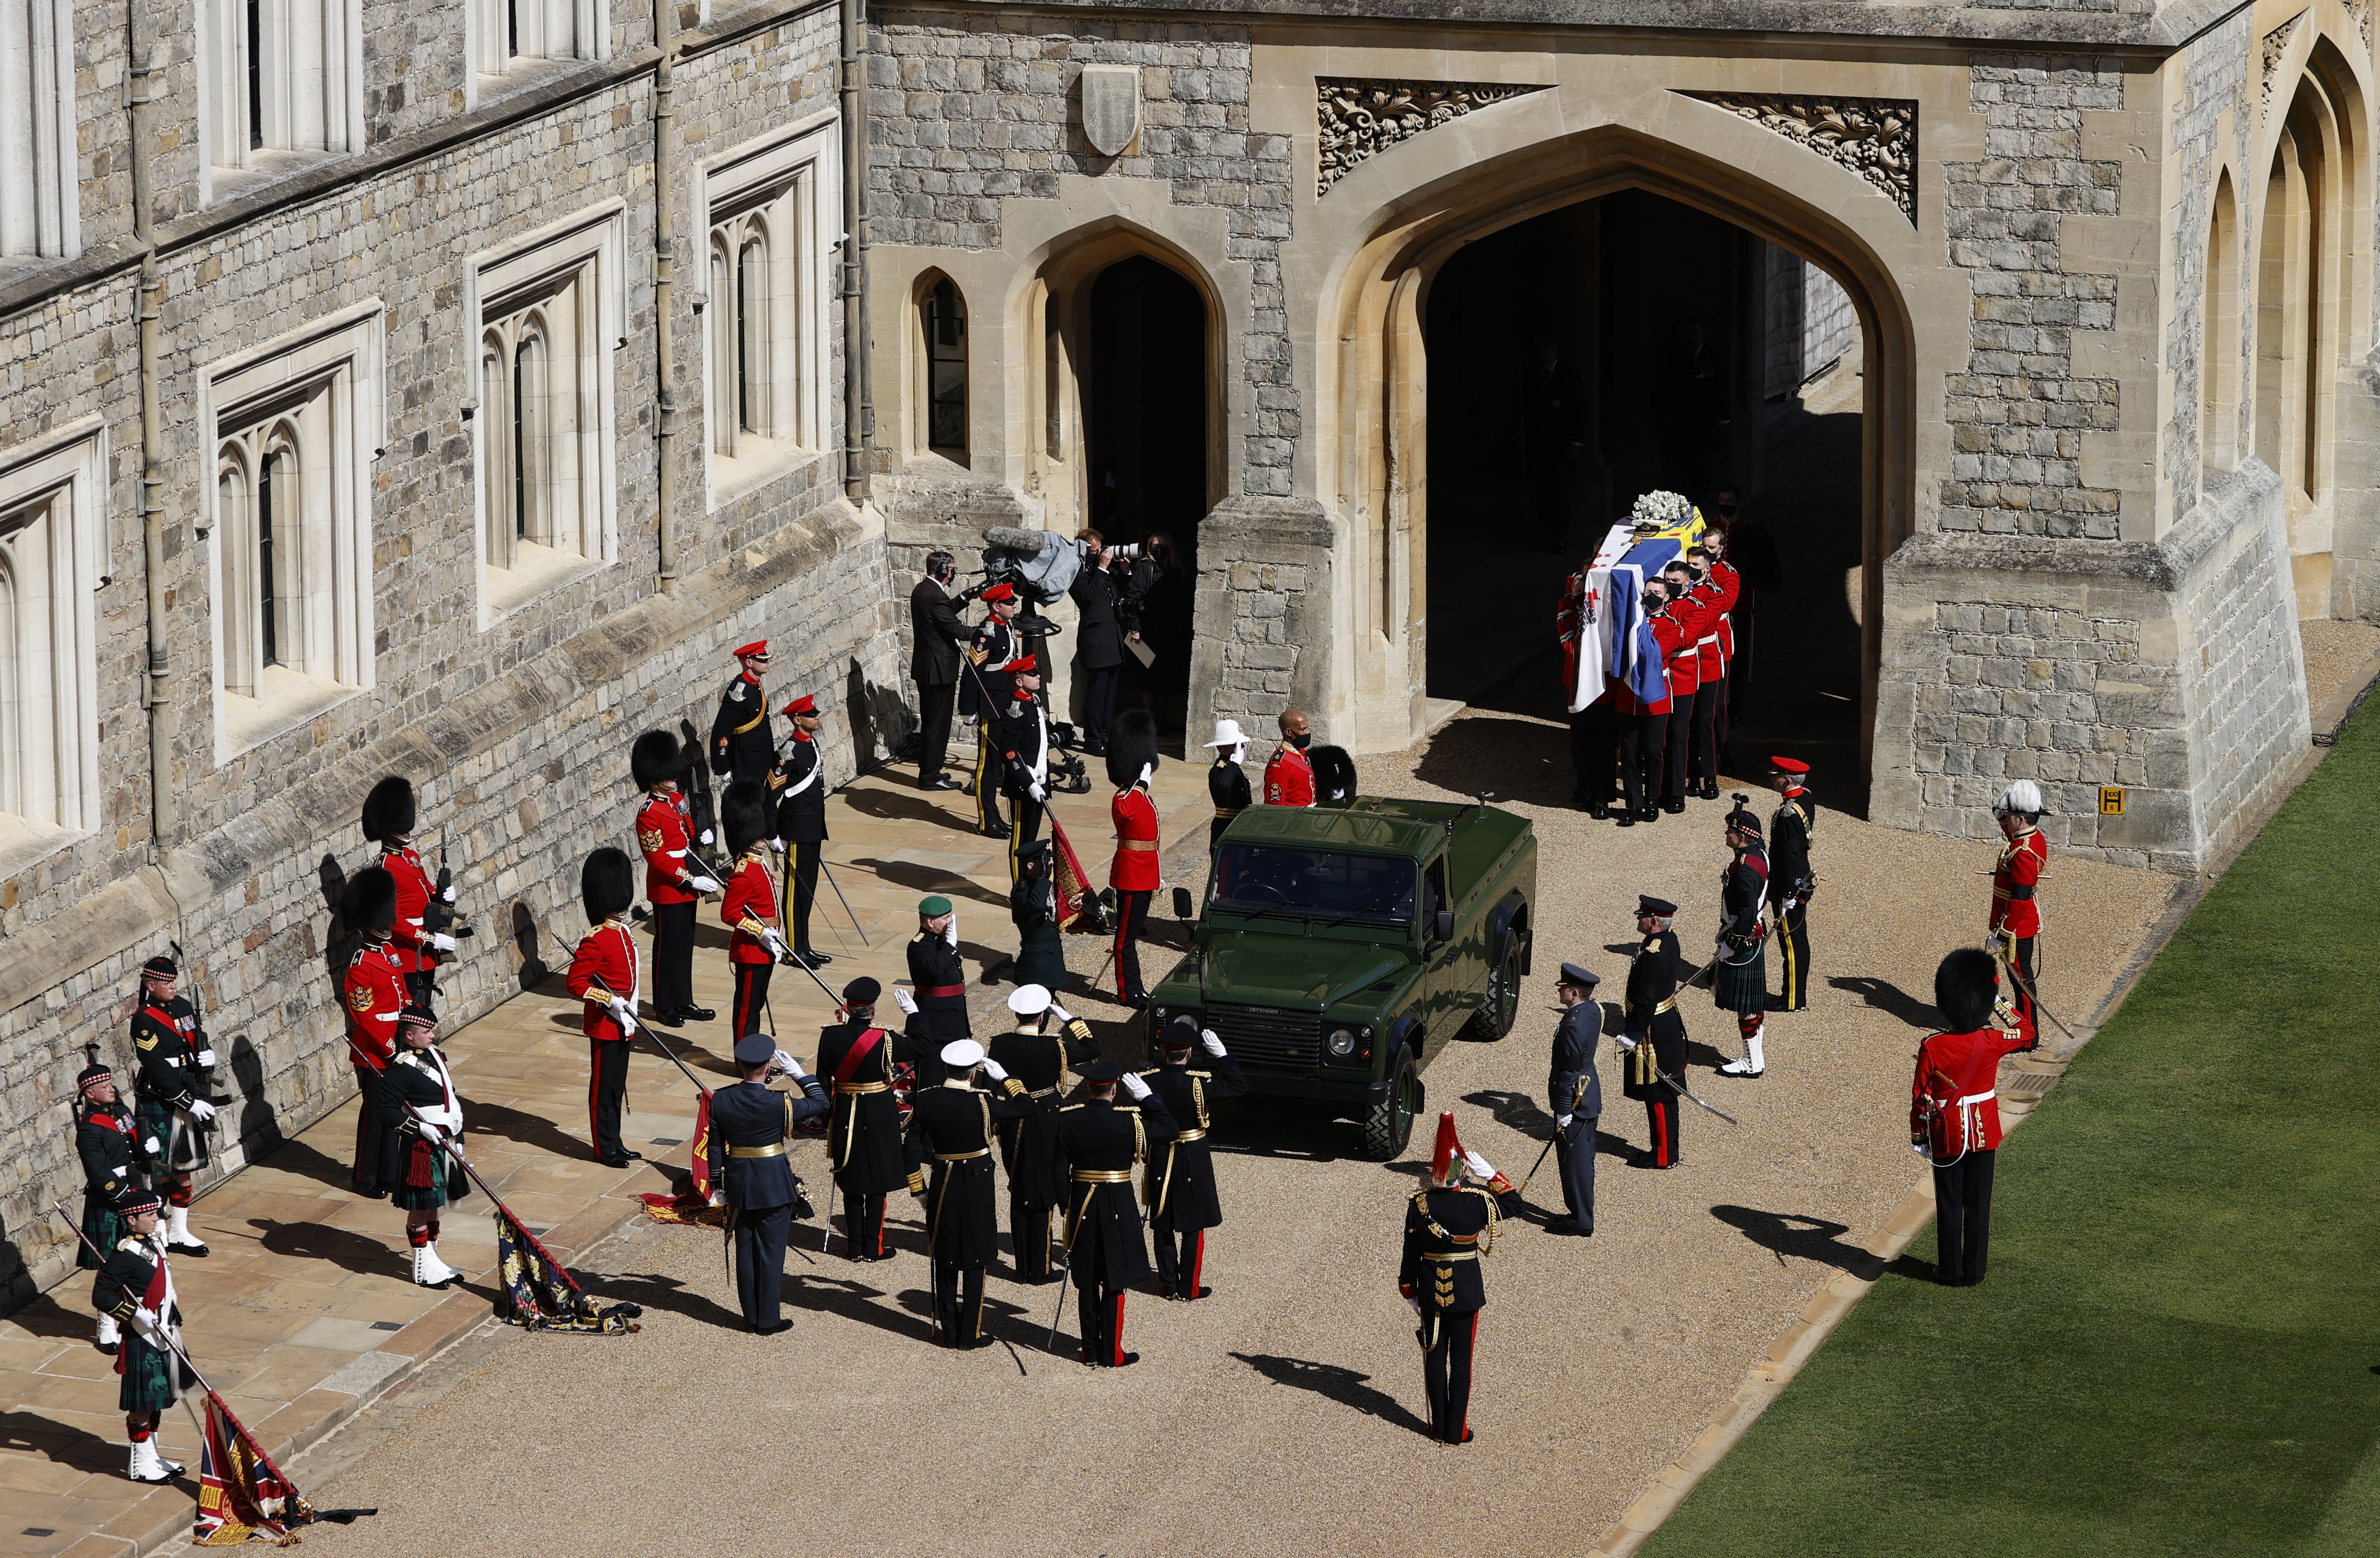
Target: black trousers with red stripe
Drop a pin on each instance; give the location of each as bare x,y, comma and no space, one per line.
1448,1337
1181,1257
1661,1130
1131,909
607,1090
751,997
1100,1312
863,1219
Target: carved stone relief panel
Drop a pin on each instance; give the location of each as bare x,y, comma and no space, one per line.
1361,119
1874,136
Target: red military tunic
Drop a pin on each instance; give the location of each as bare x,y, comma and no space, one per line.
663,837
410,940
752,898
604,965
2014,911
374,987
1135,868
1683,664
1717,646
1289,778
1953,1102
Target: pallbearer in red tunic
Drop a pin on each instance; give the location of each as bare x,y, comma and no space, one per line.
1288,777
1132,764
2016,913
373,987
389,820
603,974
749,909
1954,1113
674,878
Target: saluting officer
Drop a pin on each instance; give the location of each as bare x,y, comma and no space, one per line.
1038,1059
1574,1092
1227,782
1790,880
373,988
418,1103
750,1125
603,975
1132,762
799,783
1099,1142
741,745
862,1138
2016,914
952,1124
984,696
1449,1227
1180,1193
1954,1113
936,972
1288,776
169,1100
1022,736
136,1288
674,878
390,814
108,1142
1652,1035
1741,984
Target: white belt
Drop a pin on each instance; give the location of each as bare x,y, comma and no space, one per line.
1973,1099
1706,639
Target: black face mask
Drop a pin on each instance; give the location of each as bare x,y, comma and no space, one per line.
1726,508
1300,740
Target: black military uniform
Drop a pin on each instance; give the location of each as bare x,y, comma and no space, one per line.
750,1125
1654,1035
799,784
1032,908
169,1103
1183,1203
1099,1142
984,693
1028,1147
1227,786
1448,1229
1790,885
742,745
109,1143
939,979
1574,1092
952,1124
864,1130
1022,735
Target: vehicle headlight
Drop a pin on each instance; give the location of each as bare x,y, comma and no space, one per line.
1161,1013
1342,1041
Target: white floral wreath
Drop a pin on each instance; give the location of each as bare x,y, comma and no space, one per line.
1662,509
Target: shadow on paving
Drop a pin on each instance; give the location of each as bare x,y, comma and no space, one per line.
1333,1382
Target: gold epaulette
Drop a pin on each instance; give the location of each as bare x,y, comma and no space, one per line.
1068,1108
1147,1071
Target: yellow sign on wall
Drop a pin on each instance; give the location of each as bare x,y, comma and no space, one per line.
2111,800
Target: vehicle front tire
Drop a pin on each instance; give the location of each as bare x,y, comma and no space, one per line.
1389,1125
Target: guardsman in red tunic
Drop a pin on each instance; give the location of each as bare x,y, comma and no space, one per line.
373,987
2016,913
674,879
749,909
1714,590
1954,1113
603,975
1730,586
389,819
1288,777
1132,763
1692,614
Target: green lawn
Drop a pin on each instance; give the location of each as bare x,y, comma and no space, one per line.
2178,1349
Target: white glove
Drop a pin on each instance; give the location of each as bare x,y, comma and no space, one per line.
1919,1148
702,883
430,1133
902,999
1061,1013
446,894
622,1010
777,845
788,1065
206,1060
719,1196
1562,1122
202,1111
1993,943
438,941
145,1317
1625,1042
1133,1085
1039,791
951,931
153,1147
1480,1165
708,838
774,942
996,1071
1214,1044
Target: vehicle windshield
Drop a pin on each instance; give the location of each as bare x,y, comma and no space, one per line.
1322,882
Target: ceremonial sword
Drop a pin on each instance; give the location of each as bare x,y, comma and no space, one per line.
2026,985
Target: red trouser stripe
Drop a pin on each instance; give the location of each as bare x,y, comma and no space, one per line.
1661,1133
1467,1395
1197,1261
1115,1331
878,1246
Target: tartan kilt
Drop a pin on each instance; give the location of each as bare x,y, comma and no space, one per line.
148,1383
425,1164
1742,987
101,1227
154,1116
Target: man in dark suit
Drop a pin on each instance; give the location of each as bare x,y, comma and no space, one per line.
936,635
749,1129
1100,635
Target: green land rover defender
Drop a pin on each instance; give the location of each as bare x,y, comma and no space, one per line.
1339,949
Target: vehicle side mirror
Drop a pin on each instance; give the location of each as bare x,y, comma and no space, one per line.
1442,925
1183,908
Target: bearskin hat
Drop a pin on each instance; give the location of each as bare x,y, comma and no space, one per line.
606,884
368,900
653,759
1132,746
1964,987
744,815
389,809
1334,776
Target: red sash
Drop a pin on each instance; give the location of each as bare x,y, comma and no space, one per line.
859,1052
936,992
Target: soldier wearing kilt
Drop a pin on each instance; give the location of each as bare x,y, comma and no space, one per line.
1180,1194
951,1125
1032,906
112,1151
136,1288
1029,1148
169,1103
1741,985
1652,1034
419,1105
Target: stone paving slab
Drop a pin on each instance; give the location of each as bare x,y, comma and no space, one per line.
305,1309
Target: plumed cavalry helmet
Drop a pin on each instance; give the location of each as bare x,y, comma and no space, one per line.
389,809
1132,746
368,900
606,886
1446,1163
744,815
1334,776
653,759
1964,988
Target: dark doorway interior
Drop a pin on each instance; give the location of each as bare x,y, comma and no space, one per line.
1609,348
1145,422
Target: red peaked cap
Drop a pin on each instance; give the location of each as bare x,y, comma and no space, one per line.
1449,1148
1001,593
1787,765
805,705
1024,665
757,646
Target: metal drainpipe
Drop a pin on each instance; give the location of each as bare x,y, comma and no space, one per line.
153,450
664,286
859,411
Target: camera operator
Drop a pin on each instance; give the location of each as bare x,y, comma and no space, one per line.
937,635
1099,592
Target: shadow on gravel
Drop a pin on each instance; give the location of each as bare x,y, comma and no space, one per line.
1526,760
1333,1382
1888,997
851,1300
653,1291
1813,1238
